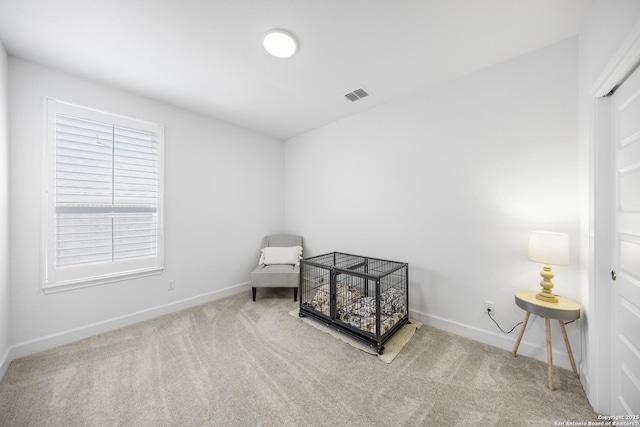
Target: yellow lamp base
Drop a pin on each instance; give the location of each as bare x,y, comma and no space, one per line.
547,297
545,294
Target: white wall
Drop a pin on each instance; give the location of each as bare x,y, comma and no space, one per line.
4,213
607,26
223,193
452,181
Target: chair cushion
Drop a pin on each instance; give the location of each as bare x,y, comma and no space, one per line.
275,276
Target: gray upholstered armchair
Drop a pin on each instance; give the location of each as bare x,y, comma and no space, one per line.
279,266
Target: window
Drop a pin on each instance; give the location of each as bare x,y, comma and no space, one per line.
104,197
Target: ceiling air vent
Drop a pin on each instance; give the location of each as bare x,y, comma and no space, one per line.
356,95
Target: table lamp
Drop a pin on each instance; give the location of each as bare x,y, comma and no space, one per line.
549,249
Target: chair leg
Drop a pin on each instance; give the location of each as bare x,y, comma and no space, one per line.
253,291
295,294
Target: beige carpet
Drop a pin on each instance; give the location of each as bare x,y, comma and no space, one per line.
235,362
391,348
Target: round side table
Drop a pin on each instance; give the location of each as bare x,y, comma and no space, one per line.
564,310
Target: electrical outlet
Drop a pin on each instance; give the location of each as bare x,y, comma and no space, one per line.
172,285
490,305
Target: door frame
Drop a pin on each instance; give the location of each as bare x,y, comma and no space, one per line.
598,383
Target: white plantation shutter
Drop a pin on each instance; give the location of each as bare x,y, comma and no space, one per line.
104,196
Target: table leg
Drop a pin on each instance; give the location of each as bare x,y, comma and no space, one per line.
524,325
566,342
547,324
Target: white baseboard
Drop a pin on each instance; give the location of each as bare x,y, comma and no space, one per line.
4,363
584,379
66,337
536,351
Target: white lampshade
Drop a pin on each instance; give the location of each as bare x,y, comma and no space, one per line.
280,44
549,248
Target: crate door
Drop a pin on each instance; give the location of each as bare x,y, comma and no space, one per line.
355,303
315,289
393,299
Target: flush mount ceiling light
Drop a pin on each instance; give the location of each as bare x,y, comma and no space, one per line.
280,43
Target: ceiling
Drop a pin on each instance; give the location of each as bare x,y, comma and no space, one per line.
207,56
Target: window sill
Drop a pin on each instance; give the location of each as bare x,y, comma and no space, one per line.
96,281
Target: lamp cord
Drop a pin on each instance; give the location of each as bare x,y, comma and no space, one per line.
494,321
503,331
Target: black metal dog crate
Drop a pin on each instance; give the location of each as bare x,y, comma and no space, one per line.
367,298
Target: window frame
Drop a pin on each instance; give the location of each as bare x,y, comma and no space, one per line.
63,278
